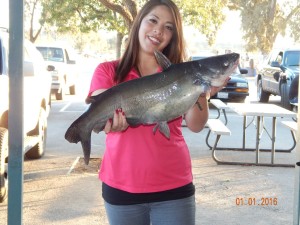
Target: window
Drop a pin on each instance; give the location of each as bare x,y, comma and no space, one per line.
292,58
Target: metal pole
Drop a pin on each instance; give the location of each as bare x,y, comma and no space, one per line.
15,121
296,208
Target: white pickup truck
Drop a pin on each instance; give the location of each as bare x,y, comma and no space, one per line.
36,105
65,73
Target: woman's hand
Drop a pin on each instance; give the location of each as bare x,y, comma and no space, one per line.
118,123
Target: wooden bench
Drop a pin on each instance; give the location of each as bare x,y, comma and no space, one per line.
221,107
218,128
293,126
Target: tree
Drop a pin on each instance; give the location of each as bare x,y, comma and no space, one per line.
206,16
75,16
118,15
33,11
264,20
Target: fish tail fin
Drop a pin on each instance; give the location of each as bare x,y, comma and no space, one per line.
72,135
86,146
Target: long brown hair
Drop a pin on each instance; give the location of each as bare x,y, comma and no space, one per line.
175,50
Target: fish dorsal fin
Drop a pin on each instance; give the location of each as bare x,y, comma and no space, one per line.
162,60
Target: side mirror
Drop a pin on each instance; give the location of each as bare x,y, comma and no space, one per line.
50,68
276,76
275,64
243,71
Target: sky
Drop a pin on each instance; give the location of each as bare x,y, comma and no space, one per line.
4,13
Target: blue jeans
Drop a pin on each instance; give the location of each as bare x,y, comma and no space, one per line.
174,212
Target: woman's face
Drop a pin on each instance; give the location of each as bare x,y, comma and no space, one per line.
156,29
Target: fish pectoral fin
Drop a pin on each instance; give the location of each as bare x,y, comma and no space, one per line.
163,128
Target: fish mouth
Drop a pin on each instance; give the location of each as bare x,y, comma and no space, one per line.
235,61
235,65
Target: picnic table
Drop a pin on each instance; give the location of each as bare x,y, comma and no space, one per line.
257,112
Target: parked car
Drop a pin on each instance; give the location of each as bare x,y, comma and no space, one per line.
237,88
276,76
65,74
36,105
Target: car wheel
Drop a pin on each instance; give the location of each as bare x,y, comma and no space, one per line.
38,150
59,95
284,92
262,96
72,90
3,156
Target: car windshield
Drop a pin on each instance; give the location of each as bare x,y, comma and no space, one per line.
52,54
292,58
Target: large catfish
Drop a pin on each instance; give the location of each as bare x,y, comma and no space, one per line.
154,99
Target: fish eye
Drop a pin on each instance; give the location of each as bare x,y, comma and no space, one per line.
226,63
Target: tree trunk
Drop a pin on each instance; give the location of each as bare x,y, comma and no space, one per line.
119,44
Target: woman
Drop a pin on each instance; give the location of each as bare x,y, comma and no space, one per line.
147,178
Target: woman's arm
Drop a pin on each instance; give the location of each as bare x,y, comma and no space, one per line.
197,116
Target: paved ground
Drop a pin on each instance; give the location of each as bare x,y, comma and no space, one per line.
60,193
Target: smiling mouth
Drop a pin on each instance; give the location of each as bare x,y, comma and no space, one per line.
153,39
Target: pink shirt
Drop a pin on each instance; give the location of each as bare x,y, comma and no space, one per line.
137,160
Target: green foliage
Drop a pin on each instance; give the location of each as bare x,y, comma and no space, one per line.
206,16
92,15
264,20
83,16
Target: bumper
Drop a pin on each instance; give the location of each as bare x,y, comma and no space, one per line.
230,96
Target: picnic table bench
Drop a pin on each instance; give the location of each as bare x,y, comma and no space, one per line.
221,107
217,127
293,126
